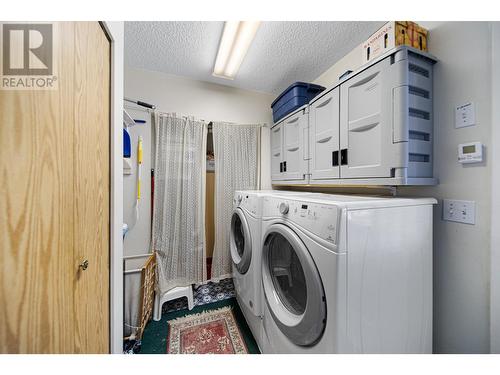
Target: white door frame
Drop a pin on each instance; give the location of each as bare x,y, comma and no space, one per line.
115,32
495,191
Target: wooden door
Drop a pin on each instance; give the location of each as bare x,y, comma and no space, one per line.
55,182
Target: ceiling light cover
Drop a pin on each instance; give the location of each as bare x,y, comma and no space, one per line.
235,42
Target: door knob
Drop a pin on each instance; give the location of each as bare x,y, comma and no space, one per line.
84,265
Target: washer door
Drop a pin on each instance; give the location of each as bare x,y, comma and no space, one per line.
240,241
292,286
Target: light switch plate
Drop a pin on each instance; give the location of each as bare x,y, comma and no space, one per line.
459,211
465,115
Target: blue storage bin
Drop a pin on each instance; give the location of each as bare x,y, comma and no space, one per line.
294,97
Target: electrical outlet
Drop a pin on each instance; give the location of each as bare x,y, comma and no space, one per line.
459,211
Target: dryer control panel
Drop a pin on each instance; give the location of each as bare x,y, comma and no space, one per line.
252,203
319,219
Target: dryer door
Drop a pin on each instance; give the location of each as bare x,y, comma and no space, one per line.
292,286
240,241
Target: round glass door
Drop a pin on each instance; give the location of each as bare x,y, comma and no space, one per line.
292,286
240,242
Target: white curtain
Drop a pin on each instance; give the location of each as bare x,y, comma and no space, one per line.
178,232
237,167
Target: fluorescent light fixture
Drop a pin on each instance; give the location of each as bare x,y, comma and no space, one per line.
236,39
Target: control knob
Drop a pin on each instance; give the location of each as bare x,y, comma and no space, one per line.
284,208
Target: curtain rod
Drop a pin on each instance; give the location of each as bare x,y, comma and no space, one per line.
142,104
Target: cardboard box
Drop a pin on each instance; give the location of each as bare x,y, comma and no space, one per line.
393,34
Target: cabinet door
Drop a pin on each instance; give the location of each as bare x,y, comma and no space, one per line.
324,137
366,123
276,152
295,147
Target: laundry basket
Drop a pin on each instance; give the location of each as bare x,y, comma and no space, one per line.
146,293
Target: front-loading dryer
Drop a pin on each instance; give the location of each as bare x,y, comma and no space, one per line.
244,243
346,274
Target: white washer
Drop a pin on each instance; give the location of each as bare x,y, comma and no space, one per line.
246,246
347,274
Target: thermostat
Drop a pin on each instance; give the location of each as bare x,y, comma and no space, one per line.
471,152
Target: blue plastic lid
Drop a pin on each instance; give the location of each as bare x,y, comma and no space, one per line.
297,84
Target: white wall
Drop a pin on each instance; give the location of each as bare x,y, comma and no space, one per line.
495,204
352,61
207,101
461,251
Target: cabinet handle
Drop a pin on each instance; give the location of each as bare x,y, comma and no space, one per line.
284,166
325,102
292,121
293,149
343,157
277,154
335,158
324,140
276,129
281,167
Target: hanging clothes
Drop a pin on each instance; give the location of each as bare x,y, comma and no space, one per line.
178,232
237,167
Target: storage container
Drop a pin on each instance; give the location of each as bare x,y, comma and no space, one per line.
394,34
294,97
373,128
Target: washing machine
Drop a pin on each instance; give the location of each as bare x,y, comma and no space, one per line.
245,246
346,274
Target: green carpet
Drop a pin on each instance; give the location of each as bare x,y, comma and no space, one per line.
154,340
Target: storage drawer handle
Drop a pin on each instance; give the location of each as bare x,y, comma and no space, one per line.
364,128
324,140
293,149
325,102
335,158
292,121
277,129
365,80
277,154
343,157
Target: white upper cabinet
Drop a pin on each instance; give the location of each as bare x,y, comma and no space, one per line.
276,152
295,147
366,123
324,136
374,127
290,148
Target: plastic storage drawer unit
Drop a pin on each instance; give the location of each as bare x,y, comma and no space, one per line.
294,97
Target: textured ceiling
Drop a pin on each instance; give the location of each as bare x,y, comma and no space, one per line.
281,53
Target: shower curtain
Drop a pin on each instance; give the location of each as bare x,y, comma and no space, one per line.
237,167
178,231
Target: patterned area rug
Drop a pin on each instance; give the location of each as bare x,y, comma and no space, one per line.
203,294
209,332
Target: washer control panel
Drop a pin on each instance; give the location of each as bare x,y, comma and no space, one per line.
317,218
